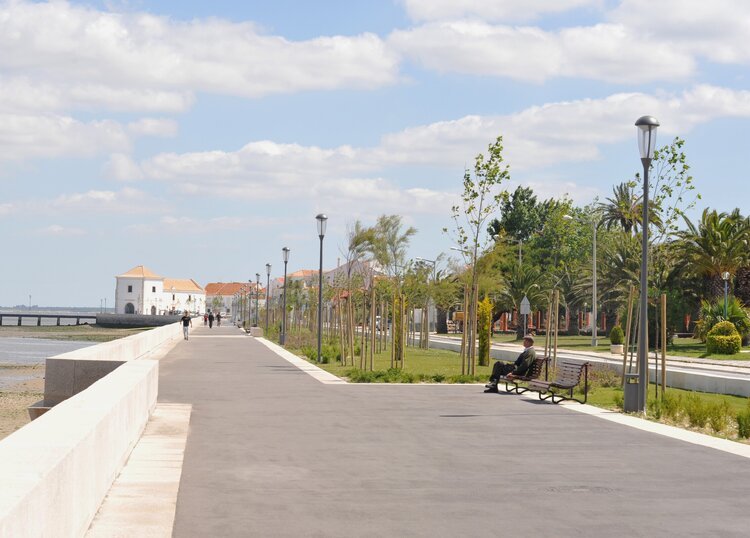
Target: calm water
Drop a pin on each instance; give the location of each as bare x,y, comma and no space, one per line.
34,350
12,321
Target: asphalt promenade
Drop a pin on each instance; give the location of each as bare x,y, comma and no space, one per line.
271,451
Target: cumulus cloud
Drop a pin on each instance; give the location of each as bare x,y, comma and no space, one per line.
27,136
153,127
609,52
535,138
135,59
497,10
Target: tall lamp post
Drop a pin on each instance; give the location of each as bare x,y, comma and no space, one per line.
647,126
282,339
268,291
322,220
595,220
257,296
427,315
725,276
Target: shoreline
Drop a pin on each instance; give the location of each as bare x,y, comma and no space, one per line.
19,394
77,333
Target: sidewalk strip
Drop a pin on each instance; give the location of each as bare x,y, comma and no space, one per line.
143,498
309,368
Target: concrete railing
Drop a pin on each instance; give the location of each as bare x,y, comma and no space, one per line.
69,373
57,470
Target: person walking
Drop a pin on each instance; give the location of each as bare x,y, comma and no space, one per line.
218,319
187,322
205,319
210,320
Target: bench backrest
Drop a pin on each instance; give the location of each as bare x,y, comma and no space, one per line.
569,373
535,372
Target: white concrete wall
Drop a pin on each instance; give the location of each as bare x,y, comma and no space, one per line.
57,470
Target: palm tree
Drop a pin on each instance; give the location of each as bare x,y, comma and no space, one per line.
524,281
718,243
625,209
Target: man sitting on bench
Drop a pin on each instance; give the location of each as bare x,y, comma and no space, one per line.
518,368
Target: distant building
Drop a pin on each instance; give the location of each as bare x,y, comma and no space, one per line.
141,291
225,297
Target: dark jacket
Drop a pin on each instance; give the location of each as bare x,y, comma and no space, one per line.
524,361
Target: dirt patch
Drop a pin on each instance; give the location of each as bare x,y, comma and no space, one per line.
22,386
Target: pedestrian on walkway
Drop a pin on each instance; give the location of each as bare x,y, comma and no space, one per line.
187,322
210,320
218,319
520,367
205,319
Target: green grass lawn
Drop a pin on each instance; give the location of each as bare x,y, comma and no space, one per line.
607,397
417,361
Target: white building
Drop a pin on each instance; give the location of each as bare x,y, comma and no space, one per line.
141,291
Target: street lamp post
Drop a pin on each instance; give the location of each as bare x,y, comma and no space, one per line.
282,339
322,220
427,314
268,291
257,296
647,126
595,220
725,275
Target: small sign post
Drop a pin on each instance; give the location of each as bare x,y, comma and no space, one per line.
525,311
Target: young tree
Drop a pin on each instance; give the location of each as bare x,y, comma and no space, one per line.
481,197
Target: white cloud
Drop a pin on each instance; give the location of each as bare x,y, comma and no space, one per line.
344,177
125,201
153,127
716,30
497,10
609,52
55,230
170,224
140,60
122,168
25,136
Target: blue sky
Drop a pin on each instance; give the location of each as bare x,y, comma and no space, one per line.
200,138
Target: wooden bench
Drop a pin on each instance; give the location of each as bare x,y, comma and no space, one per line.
535,372
568,377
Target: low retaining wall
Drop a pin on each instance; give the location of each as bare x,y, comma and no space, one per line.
56,471
69,373
122,321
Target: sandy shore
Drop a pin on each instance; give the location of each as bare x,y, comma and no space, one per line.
17,396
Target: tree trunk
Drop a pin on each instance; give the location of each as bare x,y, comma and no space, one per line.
441,323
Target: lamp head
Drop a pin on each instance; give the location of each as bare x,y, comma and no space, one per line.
268,269
322,219
257,277
725,275
285,254
647,135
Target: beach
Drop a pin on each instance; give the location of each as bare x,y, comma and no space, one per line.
23,351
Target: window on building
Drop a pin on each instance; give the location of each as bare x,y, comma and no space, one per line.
153,289
130,289
190,298
173,296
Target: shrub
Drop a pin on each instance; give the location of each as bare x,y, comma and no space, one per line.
723,339
616,336
484,320
743,422
718,416
712,313
671,405
696,410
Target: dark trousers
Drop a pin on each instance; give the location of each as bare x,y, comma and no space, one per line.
500,369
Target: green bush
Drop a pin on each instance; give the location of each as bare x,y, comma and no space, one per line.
718,416
712,313
696,410
616,336
484,320
723,339
743,422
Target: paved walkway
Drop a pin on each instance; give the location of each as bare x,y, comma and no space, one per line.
273,452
